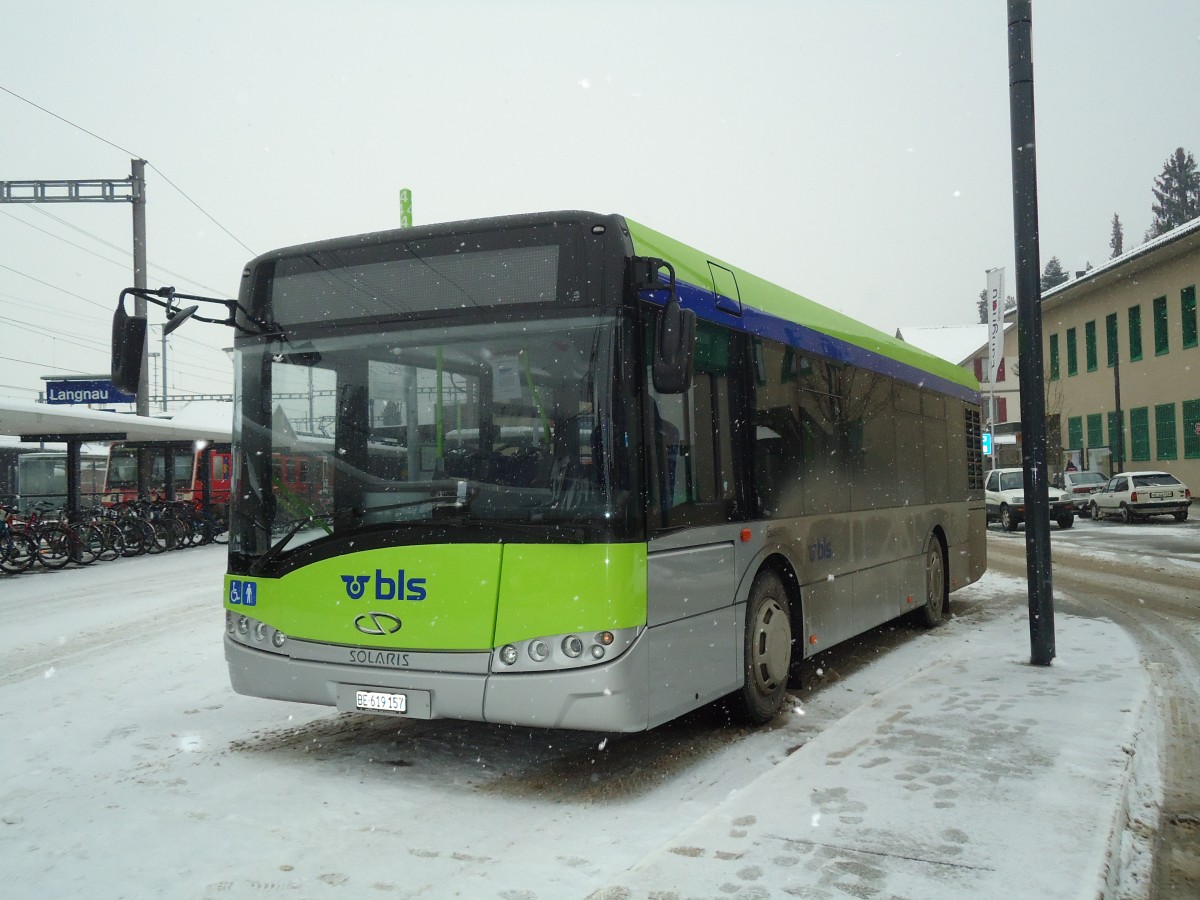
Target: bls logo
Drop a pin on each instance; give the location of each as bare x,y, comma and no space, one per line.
356,585
397,588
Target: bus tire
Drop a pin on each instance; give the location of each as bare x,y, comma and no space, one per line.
937,598
768,649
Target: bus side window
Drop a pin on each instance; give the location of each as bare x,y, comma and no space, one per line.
778,441
689,442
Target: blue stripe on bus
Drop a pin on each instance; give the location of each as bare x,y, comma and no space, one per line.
792,334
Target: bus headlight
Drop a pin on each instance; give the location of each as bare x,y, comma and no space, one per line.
278,638
563,651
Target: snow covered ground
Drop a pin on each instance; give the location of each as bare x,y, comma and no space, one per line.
943,766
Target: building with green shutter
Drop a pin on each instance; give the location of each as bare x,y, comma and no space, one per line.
1127,326
1122,361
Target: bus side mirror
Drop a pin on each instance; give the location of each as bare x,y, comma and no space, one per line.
128,339
674,348
674,329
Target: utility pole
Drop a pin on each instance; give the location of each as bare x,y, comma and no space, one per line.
1029,333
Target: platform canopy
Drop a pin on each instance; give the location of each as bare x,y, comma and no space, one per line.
43,422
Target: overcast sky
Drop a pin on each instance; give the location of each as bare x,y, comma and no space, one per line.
856,152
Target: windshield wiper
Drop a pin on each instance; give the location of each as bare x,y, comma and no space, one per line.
278,546
353,511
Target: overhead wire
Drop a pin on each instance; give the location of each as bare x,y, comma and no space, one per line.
67,121
191,358
153,267
177,365
95,303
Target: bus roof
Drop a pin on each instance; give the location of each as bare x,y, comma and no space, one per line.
768,310
763,301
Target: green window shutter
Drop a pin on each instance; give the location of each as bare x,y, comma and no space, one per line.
1187,305
1089,343
1139,434
1162,345
1115,437
1075,433
1164,431
1135,333
1191,429
1095,430
1072,353
1053,357
1110,339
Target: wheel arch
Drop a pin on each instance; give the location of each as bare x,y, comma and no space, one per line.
777,561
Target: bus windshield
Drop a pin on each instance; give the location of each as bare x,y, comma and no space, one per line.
498,431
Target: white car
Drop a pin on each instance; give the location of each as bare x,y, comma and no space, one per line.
1005,496
1137,495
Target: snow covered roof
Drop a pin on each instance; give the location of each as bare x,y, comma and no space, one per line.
1185,231
18,417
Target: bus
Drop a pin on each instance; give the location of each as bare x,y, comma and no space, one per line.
581,475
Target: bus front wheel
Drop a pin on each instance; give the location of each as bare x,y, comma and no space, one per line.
936,606
768,648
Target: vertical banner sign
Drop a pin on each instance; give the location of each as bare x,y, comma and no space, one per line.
405,208
995,294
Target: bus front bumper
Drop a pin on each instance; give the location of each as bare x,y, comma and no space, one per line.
607,697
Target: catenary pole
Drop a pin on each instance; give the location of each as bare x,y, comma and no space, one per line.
104,190
138,177
1029,333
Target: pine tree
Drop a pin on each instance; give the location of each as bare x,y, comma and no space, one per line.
1053,274
1176,193
1117,241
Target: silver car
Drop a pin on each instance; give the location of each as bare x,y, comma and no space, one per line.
1080,485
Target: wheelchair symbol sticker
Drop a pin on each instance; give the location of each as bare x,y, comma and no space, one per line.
243,593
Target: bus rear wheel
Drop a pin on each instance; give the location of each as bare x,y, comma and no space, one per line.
768,649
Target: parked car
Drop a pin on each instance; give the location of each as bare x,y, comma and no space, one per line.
1004,491
1137,495
1080,485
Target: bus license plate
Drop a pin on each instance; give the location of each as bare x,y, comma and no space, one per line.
377,701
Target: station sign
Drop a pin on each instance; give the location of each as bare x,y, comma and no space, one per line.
75,391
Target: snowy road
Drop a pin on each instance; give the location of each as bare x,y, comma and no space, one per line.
128,768
1150,585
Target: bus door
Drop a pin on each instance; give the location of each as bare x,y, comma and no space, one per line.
693,519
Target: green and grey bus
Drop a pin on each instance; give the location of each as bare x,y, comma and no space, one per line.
575,474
